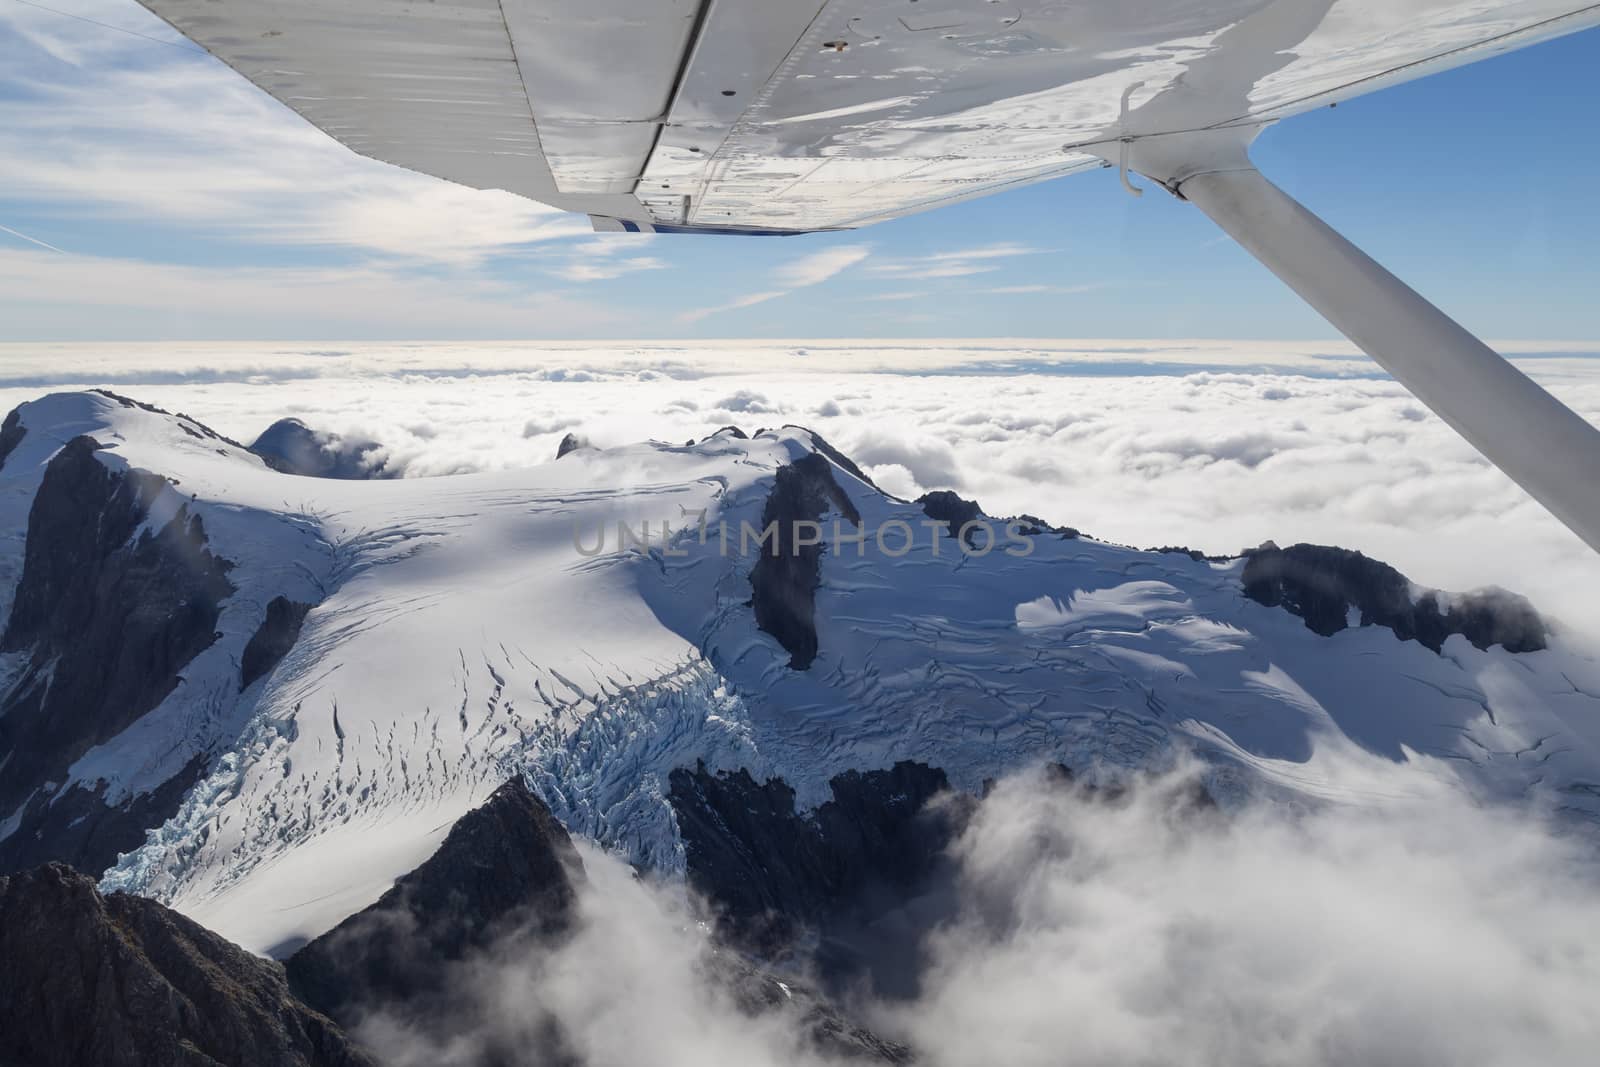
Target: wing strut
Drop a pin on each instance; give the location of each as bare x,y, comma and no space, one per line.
1544,446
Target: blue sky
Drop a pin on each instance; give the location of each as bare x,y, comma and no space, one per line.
179,202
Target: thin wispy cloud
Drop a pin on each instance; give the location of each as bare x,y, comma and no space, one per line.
1023,290
1004,250
606,269
812,269
39,289
955,263
924,271
116,126
748,300
604,257
820,266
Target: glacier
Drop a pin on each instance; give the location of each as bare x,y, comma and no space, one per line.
457,635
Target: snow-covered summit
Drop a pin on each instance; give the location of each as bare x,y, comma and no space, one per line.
597,622
292,447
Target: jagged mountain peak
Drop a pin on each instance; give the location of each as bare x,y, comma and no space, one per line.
572,442
391,647
122,980
506,868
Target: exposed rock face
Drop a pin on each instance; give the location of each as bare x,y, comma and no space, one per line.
1193,553
269,644
1322,585
292,447
571,443
758,993
121,981
773,872
506,869
502,890
191,426
1033,526
11,433
784,579
942,505
78,826
107,614
840,460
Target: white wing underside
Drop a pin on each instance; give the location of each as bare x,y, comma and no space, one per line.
797,115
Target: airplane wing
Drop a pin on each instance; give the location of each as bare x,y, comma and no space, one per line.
788,116
799,115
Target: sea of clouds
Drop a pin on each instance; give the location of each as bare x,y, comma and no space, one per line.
1408,924
1419,931
1214,445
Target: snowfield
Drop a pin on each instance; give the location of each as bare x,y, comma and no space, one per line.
458,634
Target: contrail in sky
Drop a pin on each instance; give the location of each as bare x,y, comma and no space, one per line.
32,240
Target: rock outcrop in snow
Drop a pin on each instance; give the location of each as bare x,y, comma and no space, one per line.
277,635
1332,588
11,433
955,512
572,442
785,575
292,447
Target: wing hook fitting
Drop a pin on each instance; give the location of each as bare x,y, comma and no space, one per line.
1124,141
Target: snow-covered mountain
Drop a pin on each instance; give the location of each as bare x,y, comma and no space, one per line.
261,697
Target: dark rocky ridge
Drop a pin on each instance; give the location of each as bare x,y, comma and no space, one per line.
191,426
785,577
858,884
757,992
11,434
1193,553
774,873
506,869
289,446
1321,584
107,616
501,891
944,506
571,443
1033,526
840,460
77,826
121,981
272,641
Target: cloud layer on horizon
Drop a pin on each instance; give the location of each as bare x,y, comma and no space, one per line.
1218,460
